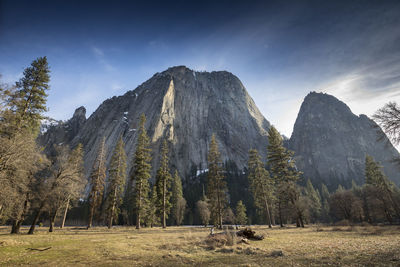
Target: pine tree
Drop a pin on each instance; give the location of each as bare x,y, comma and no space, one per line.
241,217
151,217
177,200
97,180
163,185
261,184
30,98
141,173
375,178
117,178
285,174
324,192
216,187
315,201
325,195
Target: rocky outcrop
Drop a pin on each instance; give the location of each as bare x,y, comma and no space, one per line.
59,132
185,107
330,142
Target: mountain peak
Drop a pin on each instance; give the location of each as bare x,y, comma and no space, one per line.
80,112
331,142
324,103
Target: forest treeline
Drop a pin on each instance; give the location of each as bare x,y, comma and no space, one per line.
36,187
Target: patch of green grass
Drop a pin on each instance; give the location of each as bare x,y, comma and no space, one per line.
179,246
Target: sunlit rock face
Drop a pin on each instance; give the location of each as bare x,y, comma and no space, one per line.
330,142
183,106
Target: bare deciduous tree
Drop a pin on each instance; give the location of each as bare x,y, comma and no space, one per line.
388,117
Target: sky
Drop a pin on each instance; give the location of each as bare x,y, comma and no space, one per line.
280,50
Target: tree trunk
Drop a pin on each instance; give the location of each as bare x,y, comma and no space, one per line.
138,210
91,212
268,215
164,204
17,223
366,209
111,215
35,220
280,213
15,227
52,220
65,214
273,217
301,220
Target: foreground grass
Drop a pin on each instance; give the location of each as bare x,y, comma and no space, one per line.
176,246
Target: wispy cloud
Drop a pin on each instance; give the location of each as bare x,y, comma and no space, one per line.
101,58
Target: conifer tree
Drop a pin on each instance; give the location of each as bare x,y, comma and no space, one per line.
177,200
315,201
375,177
325,203
261,184
151,217
30,98
97,180
163,185
141,173
117,178
284,174
324,192
241,217
216,187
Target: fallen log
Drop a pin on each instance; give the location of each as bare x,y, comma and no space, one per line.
249,234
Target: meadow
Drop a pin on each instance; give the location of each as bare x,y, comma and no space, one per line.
180,246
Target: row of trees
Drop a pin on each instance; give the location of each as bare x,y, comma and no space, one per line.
34,183
150,204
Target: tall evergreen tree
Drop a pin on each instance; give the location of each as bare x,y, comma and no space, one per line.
31,97
325,195
177,200
241,217
151,217
216,186
374,177
141,173
97,180
117,178
315,201
163,185
261,184
285,175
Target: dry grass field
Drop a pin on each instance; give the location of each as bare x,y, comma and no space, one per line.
179,246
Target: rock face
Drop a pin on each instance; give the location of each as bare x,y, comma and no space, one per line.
185,107
58,132
330,142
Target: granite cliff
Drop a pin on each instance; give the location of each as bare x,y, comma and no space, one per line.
185,107
330,142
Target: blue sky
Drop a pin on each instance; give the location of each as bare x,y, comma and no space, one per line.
280,50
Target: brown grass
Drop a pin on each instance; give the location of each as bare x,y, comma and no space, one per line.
180,246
